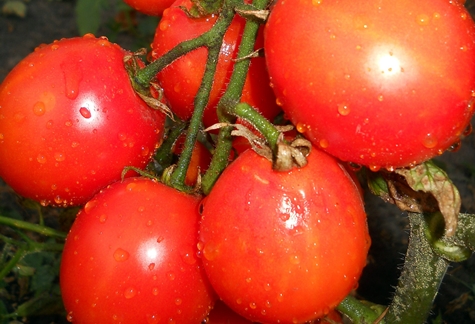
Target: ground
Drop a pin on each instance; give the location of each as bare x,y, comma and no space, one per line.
48,20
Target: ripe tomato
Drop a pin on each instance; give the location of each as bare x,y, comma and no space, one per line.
150,7
70,122
131,257
181,79
382,84
283,247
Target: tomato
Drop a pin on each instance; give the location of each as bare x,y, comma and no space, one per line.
131,257
181,79
383,84
283,247
70,122
150,7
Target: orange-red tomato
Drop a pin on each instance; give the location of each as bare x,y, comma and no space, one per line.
383,84
150,7
181,79
283,247
70,122
131,257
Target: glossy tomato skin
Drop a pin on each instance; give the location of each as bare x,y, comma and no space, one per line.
150,7
131,257
70,122
386,84
181,79
283,247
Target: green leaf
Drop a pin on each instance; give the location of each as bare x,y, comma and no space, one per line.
88,15
16,8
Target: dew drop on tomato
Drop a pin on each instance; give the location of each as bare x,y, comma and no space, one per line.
130,292
430,141
85,112
121,255
39,108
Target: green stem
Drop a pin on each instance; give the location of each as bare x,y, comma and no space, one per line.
164,155
231,98
213,43
20,253
360,312
420,279
31,227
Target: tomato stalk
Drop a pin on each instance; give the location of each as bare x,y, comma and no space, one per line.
420,279
231,98
27,226
177,178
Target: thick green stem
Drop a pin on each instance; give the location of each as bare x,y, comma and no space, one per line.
420,279
178,176
31,227
164,155
231,98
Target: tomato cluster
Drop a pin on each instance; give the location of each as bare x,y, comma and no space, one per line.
384,85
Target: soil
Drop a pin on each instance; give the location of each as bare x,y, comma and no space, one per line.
48,20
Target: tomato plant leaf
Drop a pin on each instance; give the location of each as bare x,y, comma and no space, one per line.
429,178
16,8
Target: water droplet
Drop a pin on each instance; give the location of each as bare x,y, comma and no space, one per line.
145,151
239,301
151,266
49,124
422,19
103,218
85,112
252,305
74,144
39,108
70,317
68,123
90,205
374,168
178,301
323,143
210,252
463,15
248,280
455,147
317,2
41,159
72,74
130,292
171,275
164,24
189,257
160,239
279,102
121,255
155,291
429,141
301,128
468,130
130,186
380,98
295,259
280,297
54,47
122,137
89,35
343,109
152,319
59,157
58,200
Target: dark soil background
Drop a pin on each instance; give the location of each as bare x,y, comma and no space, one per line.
48,20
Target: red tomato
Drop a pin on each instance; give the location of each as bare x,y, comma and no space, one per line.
150,7
70,122
283,247
131,257
383,84
181,79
